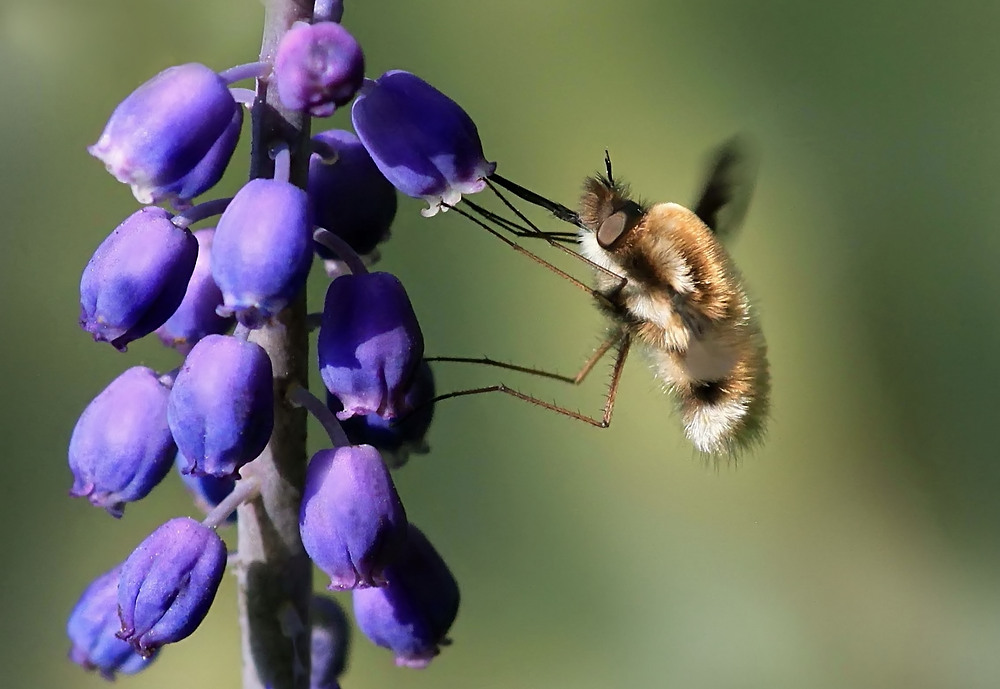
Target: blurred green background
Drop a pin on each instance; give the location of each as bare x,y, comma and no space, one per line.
857,548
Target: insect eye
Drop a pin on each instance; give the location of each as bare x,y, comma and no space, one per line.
617,225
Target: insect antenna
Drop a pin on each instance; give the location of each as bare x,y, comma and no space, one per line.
607,166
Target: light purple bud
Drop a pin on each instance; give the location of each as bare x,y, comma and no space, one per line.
168,584
221,408
262,250
330,641
196,317
92,628
318,67
413,612
349,196
351,520
173,136
421,140
207,491
370,344
121,446
137,277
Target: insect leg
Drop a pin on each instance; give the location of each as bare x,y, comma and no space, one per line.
609,403
587,367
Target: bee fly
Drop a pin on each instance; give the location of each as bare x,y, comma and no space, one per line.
667,285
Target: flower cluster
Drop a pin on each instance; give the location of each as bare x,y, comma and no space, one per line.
206,293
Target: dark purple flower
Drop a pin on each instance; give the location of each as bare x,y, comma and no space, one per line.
121,446
137,277
421,140
318,68
397,439
207,491
221,408
262,250
168,584
330,639
413,612
92,628
349,196
351,520
173,136
196,317
370,344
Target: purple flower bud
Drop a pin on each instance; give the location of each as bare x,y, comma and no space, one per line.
92,629
421,140
173,136
121,446
221,408
196,317
351,520
168,584
137,277
330,639
370,344
207,491
397,439
262,250
349,196
318,67
413,612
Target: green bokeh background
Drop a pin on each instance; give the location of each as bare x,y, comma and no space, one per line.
857,548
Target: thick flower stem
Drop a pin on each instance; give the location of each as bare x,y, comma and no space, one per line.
274,573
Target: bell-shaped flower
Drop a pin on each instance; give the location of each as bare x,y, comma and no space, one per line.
137,277
92,629
329,642
172,138
399,438
318,67
168,584
207,491
121,447
370,344
262,250
351,520
421,140
413,612
196,317
221,408
349,196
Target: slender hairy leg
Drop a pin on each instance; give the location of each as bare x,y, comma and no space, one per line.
609,403
587,367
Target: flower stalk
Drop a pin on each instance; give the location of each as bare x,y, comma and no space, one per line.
273,569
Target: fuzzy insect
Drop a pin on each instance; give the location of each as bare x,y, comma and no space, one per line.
668,286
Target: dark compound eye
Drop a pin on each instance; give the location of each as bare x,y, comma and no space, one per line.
617,225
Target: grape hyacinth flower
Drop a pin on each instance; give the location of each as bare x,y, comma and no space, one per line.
262,250
329,643
172,138
137,277
396,439
370,344
352,522
421,140
196,316
347,193
168,584
121,447
92,629
221,407
318,68
413,612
